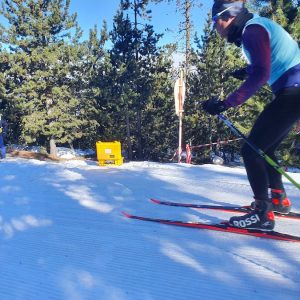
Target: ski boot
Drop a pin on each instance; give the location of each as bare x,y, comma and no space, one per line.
280,202
262,217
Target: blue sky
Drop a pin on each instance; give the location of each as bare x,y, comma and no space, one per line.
165,19
164,16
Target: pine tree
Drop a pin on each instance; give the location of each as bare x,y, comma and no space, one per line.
133,54
44,68
284,12
91,86
122,75
186,27
160,123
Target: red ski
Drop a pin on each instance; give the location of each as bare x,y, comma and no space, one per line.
235,209
225,227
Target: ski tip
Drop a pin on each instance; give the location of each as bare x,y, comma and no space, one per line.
125,214
154,200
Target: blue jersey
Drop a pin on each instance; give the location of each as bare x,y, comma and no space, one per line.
285,52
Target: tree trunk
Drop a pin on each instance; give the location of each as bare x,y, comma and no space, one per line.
53,150
139,114
188,29
128,137
71,146
139,133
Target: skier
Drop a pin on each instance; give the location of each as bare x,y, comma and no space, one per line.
3,131
274,58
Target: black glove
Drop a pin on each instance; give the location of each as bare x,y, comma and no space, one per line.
214,106
240,74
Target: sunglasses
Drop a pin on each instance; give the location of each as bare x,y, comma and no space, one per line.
216,16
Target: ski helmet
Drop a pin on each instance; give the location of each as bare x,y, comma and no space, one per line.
227,8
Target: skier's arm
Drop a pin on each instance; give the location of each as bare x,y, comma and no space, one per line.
256,41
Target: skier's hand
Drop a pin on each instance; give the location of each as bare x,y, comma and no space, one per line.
240,74
214,106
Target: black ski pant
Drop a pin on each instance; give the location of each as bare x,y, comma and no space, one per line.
270,128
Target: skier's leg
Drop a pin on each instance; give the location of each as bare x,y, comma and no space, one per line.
269,130
280,201
271,127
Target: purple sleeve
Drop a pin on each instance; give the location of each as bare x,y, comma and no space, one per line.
256,41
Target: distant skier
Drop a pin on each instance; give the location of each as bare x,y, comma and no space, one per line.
273,57
3,132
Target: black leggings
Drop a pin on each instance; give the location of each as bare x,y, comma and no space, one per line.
270,128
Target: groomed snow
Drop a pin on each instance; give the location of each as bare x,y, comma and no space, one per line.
63,237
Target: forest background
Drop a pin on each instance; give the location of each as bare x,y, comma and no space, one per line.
57,89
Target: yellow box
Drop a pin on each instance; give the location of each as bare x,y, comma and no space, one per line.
109,153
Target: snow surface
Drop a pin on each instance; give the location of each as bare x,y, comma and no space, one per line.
63,237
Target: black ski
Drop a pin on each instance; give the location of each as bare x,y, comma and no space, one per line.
238,209
224,226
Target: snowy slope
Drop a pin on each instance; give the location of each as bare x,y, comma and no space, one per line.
62,235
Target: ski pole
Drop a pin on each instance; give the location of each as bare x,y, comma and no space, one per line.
267,158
